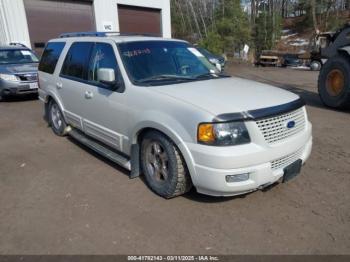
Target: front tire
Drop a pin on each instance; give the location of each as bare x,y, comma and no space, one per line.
334,83
163,166
56,119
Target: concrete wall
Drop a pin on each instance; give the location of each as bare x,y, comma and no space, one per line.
13,22
106,13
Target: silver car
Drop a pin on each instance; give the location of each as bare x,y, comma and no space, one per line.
159,108
18,71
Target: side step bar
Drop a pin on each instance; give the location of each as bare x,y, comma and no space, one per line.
101,149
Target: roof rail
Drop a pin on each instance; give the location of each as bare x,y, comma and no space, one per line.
102,34
19,44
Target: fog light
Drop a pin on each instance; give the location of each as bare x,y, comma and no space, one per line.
237,178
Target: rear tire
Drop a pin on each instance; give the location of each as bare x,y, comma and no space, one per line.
334,82
163,166
56,119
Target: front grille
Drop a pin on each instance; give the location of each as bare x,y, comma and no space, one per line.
28,77
287,160
275,129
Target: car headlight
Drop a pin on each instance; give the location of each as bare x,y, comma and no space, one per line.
223,134
214,60
7,77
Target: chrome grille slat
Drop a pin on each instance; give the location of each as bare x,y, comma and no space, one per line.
274,129
286,160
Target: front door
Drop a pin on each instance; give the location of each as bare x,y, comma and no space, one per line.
104,109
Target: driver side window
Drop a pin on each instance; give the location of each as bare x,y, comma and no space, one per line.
102,57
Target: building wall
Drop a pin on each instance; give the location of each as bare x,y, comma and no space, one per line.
13,22
106,13
14,26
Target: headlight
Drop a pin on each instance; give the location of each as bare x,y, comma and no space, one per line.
223,134
214,60
7,77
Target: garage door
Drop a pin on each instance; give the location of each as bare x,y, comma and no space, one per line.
139,20
47,19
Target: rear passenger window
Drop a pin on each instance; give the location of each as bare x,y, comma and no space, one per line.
50,57
102,57
77,59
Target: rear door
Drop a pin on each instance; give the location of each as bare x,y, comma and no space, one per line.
72,83
104,110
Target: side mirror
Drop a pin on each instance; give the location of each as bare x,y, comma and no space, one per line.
218,66
106,76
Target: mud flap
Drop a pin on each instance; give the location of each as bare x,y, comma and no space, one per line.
135,161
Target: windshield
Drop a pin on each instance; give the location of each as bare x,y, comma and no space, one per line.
205,52
17,56
165,61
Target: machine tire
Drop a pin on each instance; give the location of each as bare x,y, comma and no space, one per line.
335,93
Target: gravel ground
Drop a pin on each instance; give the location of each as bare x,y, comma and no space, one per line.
58,197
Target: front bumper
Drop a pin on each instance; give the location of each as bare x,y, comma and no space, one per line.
8,88
211,165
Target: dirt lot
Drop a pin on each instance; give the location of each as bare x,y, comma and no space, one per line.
59,198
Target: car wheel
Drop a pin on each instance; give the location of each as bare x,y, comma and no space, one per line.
163,166
315,65
56,120
334,83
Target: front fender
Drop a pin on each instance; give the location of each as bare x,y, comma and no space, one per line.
171,128
164,123
346,49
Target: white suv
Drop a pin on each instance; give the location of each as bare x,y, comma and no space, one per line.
157,107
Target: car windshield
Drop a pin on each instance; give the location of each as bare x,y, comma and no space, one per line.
205,52
156,62
17,56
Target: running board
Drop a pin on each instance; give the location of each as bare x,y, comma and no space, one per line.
99,148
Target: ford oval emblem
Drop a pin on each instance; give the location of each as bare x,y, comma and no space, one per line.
291,124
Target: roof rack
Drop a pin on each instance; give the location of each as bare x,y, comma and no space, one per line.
102,34
18,44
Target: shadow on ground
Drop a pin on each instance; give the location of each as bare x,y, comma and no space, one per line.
21,98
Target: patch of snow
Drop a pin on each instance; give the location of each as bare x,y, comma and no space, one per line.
300,67
298,42
286,31
287,36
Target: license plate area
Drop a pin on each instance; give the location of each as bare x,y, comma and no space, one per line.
292,170
33,86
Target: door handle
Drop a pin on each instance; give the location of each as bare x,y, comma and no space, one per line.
89,95
59,85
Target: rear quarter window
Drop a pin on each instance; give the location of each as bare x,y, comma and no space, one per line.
50,57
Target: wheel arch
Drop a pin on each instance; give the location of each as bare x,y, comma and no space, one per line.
345,52
172,135
52,97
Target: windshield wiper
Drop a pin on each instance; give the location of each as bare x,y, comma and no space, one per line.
211,75
163,77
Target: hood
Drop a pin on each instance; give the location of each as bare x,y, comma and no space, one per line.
220,58
18,68
228,95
